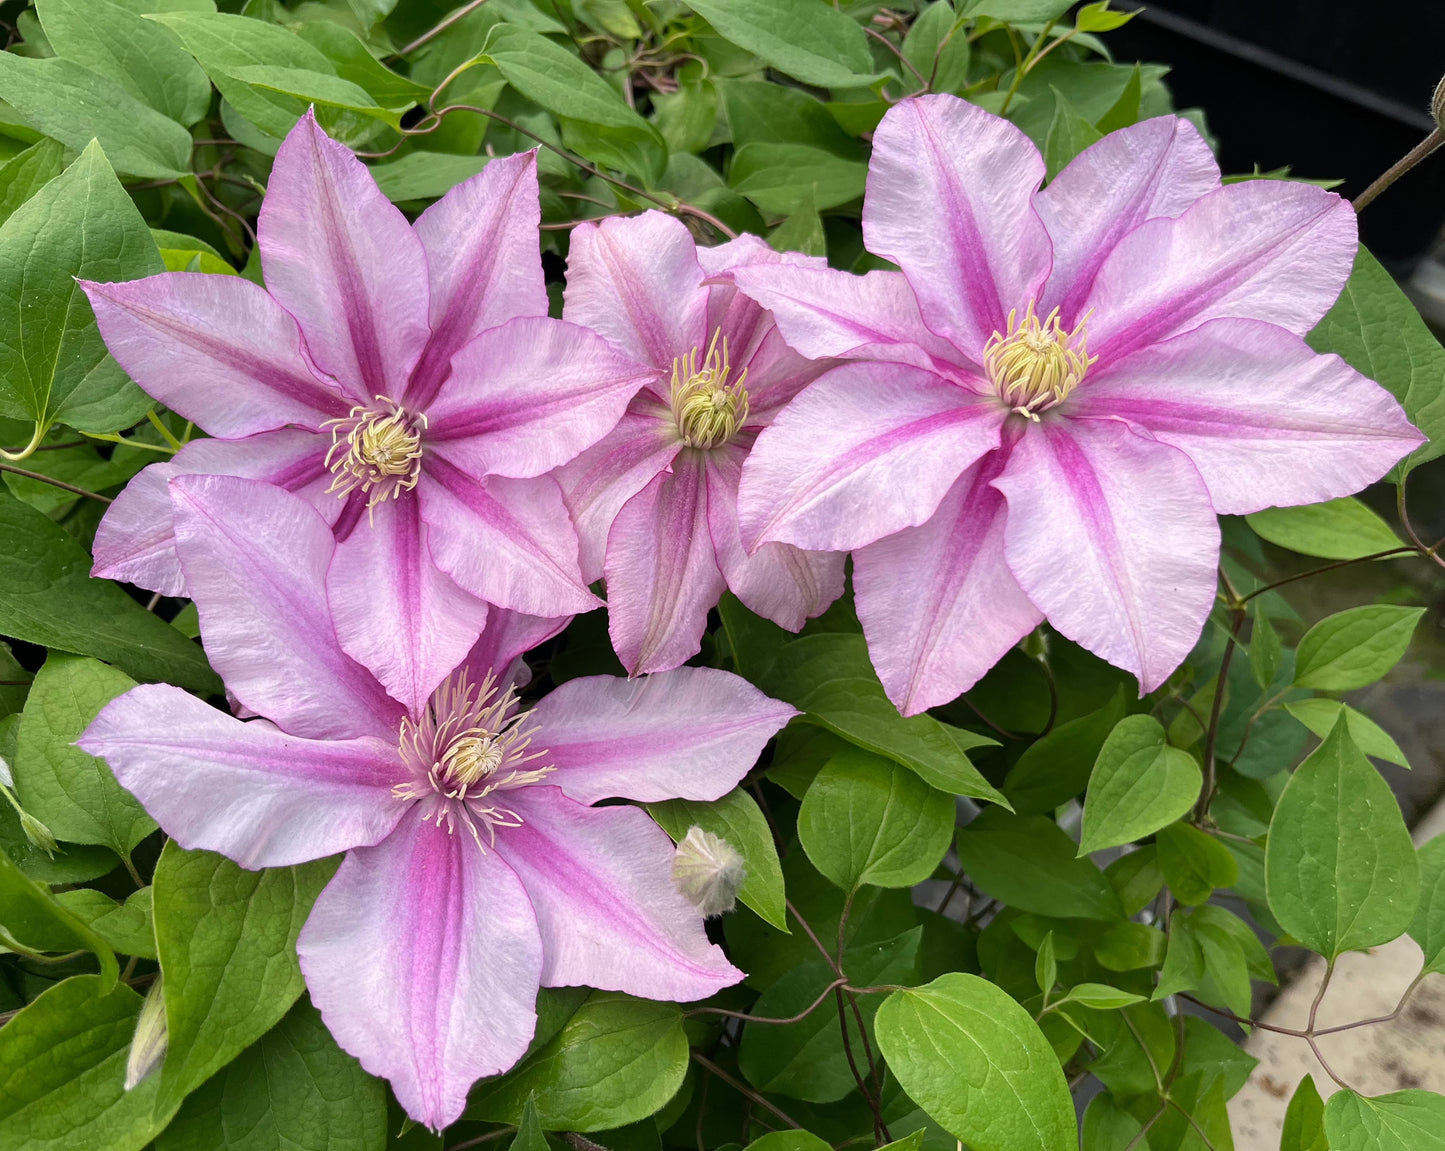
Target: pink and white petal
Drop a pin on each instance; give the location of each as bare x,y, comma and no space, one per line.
598,482
938,603
506,638
689,733
395,613
823,312
246,788
1157,167
136,541
342,259
255,560
484,262
864,451
423,956
527,397
778,581
719,261
662,576
1112,536
1266,421
776,374
636,281
1271,250
600,879
950,201
216,349
509,542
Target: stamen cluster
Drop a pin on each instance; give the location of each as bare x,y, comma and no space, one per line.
378,451
1036,364
470,744
708,410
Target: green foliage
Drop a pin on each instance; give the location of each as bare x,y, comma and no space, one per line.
1139,785
1342,529
1354,648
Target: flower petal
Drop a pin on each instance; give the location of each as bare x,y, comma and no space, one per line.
689,733
216,349
636,281
527,397
950,201
136,541
246,789
864,451
1269,250
423,956
395,613
604,477
778,581
509,542
1113,537
255,559
825,312
1157,167
1266,421
342,259
938,603
507,636
662,575
483,261
600,879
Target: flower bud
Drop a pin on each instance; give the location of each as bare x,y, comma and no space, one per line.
148,1048
38,834
708,871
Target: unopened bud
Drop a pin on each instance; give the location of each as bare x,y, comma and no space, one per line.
38,834
708,871
1437,104
148,1048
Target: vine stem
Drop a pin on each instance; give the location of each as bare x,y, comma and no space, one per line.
1211,734
1402,550
44,479
742,1089
442,26
29,449
1399,168
841,981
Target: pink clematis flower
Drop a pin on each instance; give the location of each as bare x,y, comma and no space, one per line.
405,379
655,502
1057,392
477,868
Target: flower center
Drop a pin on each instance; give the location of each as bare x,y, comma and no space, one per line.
1037,364
470,745
376,450
707,408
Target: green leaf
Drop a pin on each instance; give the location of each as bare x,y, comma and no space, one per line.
1340,870
1354,648
866,819
320,89
1265,651
27,173
425,175
806,1059
1125,110
1379,332
138,54
973,1059
529,1135
617,1060
1016,11
1343,529
811,42
353,61
1108,1127
294,1089
62,1073
830,678
736,818
1096,17
1099,997
1304,1120
687,118
938,47
80,225
74,105
1428,927
1054,769
127,927
1320,715
1402,1121
1027,862
802,231
1139,785
1194,863
74,793
47,597
227,944
1069,134
1129,946
784,178
1046,967
30,916
791,1141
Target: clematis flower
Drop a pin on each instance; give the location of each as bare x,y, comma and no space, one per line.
476,867
405,379
655,502
1057,392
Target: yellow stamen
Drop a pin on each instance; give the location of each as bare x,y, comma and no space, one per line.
378,451
707,408
1036,364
